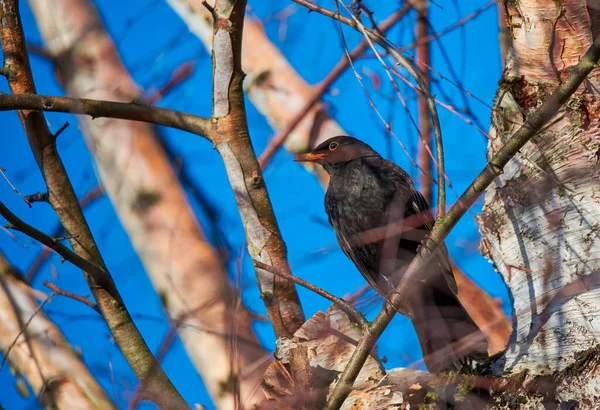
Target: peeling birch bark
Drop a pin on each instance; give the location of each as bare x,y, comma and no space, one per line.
542,218
272,84
39,352
184,268
232,140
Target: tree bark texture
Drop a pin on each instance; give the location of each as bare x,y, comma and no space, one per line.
185,269
541,218
37,351
272,84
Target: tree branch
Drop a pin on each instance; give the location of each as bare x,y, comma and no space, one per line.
344,305
535,121
371,37
232,140
422,60
110,109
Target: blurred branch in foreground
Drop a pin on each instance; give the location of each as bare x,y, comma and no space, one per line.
37,352
185,269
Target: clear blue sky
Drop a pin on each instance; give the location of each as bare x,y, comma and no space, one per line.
152,48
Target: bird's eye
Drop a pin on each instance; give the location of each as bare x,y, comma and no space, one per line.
333,146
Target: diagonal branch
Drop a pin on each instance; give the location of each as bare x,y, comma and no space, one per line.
534,123
344,305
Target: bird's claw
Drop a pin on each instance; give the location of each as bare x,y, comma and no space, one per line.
423,244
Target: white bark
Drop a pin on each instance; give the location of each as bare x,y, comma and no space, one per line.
36,349
541,219
184,268
272,84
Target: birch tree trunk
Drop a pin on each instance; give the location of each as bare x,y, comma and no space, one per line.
37,351
542,217
185,269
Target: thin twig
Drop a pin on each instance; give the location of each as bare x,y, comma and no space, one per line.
403,61
61,129
14,188
534,123
452,27
87,199
321,88
58,291
343,304
17,224
37,197
24,329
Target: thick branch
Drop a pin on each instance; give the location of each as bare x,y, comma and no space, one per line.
232,140
534,123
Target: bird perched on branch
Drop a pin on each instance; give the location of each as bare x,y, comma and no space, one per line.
380,220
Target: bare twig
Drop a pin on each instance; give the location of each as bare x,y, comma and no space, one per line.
24,329
58,291
322,88
88,198
180,74
346,306
61,129
442,228
37,197
428,39
14,188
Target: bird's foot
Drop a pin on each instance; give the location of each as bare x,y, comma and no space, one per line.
423,244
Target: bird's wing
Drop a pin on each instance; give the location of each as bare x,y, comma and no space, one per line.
417,205
361,255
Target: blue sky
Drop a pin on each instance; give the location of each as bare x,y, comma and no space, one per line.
153,41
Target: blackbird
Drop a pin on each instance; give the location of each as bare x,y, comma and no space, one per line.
380,221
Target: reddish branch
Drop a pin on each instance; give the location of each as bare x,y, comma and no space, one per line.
323,86
58,291
181,73
423,159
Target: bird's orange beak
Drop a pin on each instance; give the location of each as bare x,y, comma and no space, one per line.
310,157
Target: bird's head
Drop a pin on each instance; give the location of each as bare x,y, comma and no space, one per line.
337,151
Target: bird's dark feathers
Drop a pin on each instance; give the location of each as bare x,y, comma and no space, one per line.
380,220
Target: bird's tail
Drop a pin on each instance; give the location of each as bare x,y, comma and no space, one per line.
447,334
